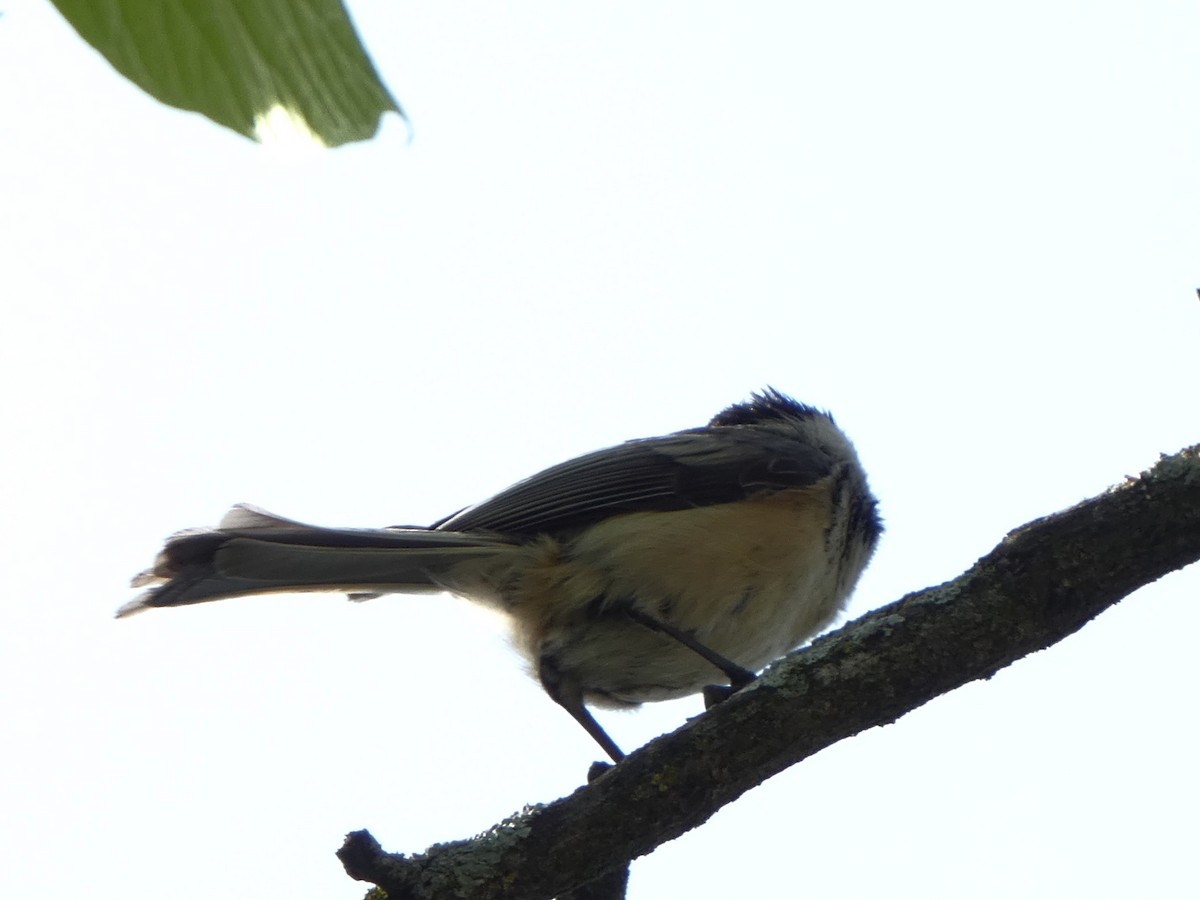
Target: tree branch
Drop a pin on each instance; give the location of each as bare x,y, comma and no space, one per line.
1042,583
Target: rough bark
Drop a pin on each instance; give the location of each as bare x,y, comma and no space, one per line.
1043,582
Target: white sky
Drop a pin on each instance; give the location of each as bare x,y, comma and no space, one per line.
970,230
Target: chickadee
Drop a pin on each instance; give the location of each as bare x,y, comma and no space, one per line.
638,573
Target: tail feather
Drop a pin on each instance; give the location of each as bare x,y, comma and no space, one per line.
254,552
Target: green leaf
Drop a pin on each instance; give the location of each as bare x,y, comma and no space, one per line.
261,67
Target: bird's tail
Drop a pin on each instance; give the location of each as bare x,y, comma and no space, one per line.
254,552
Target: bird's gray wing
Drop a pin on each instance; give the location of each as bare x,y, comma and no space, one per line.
678,471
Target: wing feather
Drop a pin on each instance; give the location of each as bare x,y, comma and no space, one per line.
678,471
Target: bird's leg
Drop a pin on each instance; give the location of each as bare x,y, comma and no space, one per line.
713,693
566,692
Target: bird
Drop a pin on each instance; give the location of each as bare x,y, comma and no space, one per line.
651,570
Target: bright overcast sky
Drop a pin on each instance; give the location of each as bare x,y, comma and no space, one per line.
970,230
